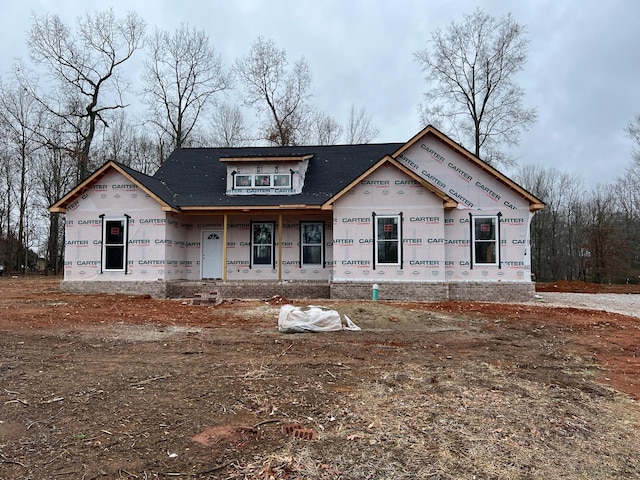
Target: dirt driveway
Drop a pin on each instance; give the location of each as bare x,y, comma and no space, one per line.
114,386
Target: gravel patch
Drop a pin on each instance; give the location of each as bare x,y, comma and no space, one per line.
625,304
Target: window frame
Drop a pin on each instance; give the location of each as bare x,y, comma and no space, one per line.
495,241
283,175
256,180
259,180
122,246
242,175
271,245
304,244
377,241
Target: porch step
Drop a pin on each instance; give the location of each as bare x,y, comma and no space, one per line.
208,298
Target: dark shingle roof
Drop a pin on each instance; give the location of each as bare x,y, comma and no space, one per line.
195,177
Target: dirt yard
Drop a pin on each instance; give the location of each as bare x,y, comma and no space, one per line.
126,387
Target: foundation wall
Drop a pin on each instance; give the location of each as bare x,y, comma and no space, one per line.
403,291
434,292
492,292
156,289
187,289
390,291
250,290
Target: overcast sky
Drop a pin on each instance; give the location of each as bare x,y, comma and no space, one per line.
583,71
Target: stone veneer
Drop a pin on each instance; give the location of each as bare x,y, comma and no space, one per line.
440,291
405,291
155,289
187,289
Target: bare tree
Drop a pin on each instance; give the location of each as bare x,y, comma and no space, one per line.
633,130
325,130
128,143
6,204
279,95
116,140
557,232
228,127
608,246
83,67
628,200
629,186
181,77
470,68
628,208
359,127
20,118
146,154
584,235
53,174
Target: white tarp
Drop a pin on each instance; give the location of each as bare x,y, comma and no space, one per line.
312,319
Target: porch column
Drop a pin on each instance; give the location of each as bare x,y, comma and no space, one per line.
280,248
224,249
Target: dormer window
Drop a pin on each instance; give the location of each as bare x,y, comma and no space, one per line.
277,175
243,181
262,180
282,180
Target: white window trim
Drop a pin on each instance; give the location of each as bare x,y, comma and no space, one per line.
240,187
495,241
271,245
321,245
398,240
125,235
252,176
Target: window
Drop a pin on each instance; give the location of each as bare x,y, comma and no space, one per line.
242,181
485,240
282,180
262,243
114,244
311,243
387,235
262,180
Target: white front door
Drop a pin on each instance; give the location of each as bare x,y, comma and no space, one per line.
211,254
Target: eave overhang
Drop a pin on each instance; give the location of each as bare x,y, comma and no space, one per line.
61,205
267,158
250,209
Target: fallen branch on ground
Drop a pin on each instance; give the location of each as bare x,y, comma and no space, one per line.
149,380
12,462
215,469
